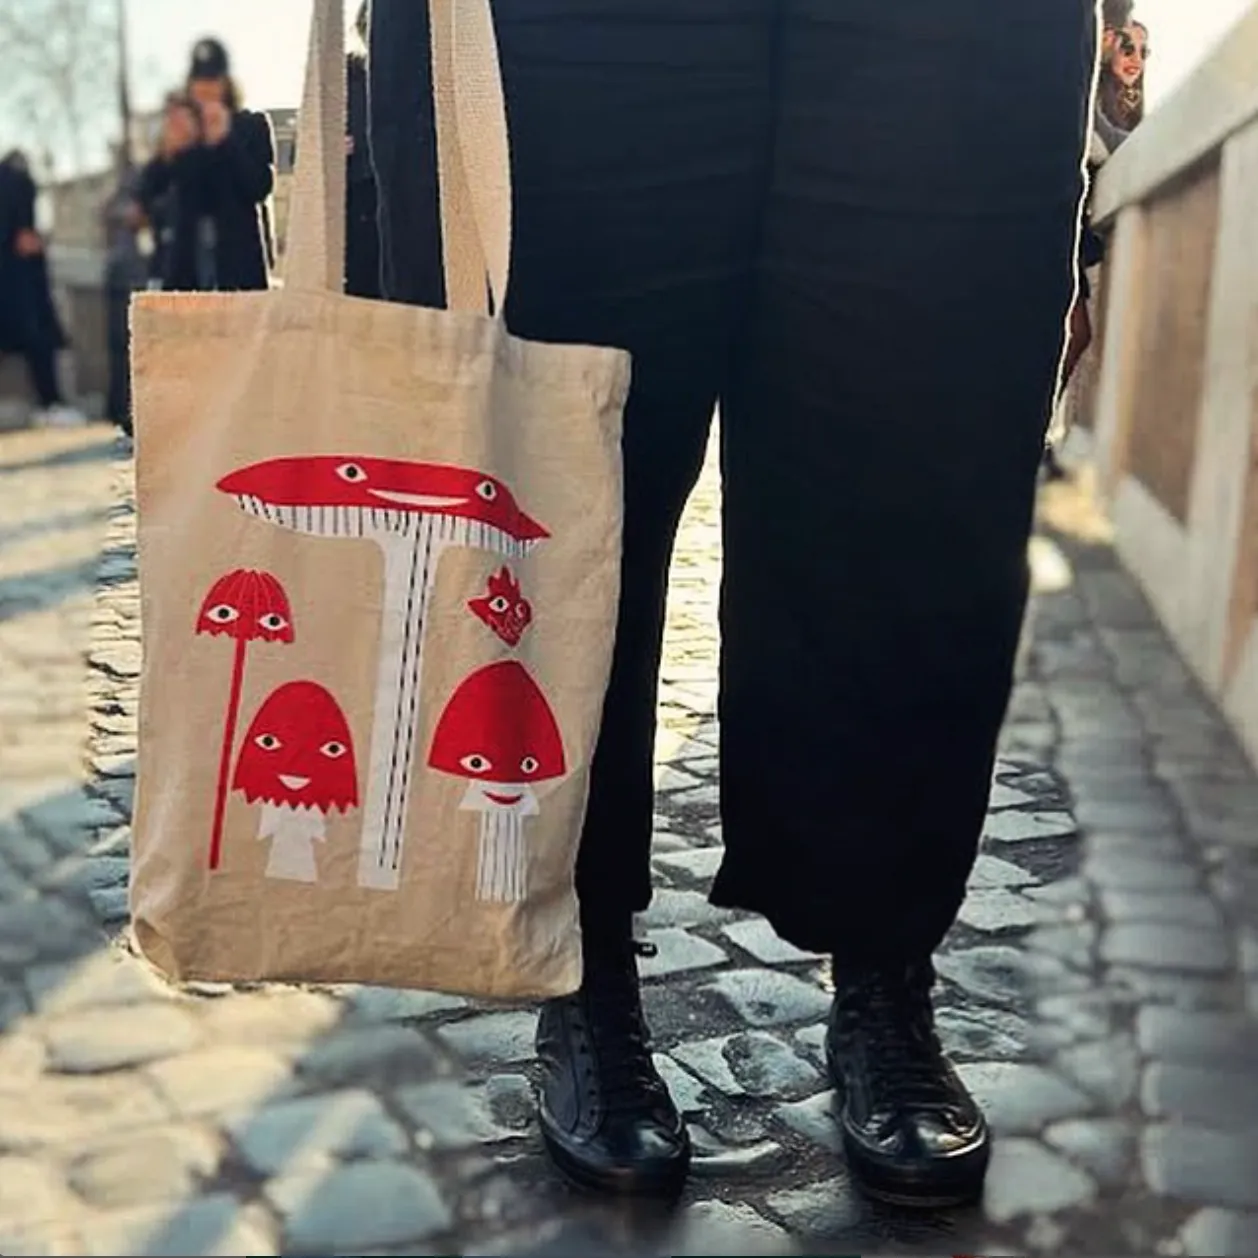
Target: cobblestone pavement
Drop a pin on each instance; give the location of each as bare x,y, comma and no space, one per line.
1095,988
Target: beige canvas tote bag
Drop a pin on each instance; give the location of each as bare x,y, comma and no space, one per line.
379,557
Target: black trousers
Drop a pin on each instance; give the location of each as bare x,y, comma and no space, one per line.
852,224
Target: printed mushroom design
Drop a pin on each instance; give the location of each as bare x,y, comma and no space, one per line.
298,759
503,609
413,512
498,732
245,606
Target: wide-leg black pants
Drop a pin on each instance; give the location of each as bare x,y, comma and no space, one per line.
852,224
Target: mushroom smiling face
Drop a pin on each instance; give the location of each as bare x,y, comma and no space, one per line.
298,752
343,495
499,734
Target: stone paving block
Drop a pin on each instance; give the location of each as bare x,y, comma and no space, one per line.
1026,1178
23,1057
766,998
1023,827
1196,1164
1022,1099
216,1226
1207,1095
974,1032
272,1016
371,1054
1177,908
109,1039
44,929
359,1206
1154,872
1168,947
671,908
697,862
313,1130
714,1159
161,1164
751,1063
815,1119
679,952
1197,1038
104,978
1000,910
393,1004
1104,1147
32,1191
1215,1233
492,1038
830,1207
993,871
60,1111
718,1228
226,1080
756,936
1108,1070
452,1115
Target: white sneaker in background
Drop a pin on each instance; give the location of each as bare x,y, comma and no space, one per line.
60,417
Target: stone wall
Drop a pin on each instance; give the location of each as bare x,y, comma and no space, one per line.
1175,406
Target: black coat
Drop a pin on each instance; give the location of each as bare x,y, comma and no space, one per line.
28,318
213,198
362,240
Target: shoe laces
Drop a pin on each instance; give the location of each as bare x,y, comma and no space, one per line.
891,1015
619,1039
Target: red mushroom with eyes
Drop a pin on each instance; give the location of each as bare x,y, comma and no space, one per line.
245,606
503,608
498,733
298,760
413,512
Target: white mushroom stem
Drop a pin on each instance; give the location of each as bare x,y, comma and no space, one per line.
502,867
410,569
293,833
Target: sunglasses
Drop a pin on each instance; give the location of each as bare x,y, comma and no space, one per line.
1129,48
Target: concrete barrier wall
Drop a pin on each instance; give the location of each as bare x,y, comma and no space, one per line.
1173,399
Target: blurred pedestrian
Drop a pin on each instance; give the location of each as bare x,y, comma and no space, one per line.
126,271
216,169
29,323
362,237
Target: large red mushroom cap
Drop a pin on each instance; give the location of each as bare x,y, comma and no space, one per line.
298,752
247,606
498,727
354,483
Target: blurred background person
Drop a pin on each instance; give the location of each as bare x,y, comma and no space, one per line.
126,272
1119,109
215,171
29,323
362,237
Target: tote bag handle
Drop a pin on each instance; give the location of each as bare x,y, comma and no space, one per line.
473,157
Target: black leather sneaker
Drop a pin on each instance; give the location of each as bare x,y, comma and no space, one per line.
606,1115
912,1132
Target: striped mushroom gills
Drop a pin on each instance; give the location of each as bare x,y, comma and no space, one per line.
414,512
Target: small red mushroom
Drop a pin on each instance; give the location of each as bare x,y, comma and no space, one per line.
245,606
498,733
298,759
414,512
503,608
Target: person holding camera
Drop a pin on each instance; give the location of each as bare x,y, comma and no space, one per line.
213,176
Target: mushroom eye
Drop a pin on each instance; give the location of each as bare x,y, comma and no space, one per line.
351,473
334,750
487,490
498,605
223,614
529,765
273,622
268,742
476,764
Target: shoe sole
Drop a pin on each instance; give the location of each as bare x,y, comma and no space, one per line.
951,1183
666,1184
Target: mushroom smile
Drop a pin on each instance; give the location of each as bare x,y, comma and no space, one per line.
506,801
294,783
423,502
